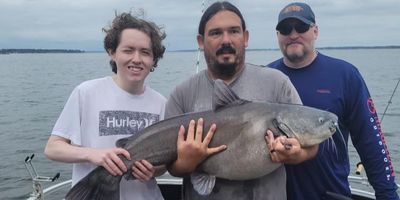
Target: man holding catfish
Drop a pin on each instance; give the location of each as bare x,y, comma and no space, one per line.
223,36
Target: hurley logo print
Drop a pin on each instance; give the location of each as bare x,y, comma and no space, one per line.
124,122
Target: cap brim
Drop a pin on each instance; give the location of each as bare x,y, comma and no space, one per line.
304,20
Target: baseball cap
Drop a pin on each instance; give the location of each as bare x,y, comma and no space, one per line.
297,10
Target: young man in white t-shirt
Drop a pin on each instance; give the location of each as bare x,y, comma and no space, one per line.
101,111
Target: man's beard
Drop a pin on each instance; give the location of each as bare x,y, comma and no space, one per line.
224,70
296,57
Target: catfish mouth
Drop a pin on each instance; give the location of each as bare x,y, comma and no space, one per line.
334,127
308,139
283,128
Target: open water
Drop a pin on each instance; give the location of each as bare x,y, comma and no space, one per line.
35,87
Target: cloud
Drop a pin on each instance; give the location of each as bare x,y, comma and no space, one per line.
78,24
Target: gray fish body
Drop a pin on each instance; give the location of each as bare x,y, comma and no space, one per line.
241,125
242,128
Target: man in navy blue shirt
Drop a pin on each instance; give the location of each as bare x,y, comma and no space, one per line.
337,86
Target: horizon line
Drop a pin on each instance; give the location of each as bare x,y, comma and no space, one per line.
55,50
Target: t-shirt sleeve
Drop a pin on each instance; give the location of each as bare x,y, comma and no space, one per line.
174,105
68,123
289,93
162,111
368,138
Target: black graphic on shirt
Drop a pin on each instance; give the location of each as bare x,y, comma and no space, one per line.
124,122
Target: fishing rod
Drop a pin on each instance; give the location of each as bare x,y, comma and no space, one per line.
198,48
390,100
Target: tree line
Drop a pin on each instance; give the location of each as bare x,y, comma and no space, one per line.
9,51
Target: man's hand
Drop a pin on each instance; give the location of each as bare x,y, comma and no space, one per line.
143,170
109,159
288,150
193,150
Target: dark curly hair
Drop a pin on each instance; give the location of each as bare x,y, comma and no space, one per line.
125,21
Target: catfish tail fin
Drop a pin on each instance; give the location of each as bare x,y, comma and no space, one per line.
97,185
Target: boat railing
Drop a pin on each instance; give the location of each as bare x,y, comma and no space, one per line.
38,191
363,188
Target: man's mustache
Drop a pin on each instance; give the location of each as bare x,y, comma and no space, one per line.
225,49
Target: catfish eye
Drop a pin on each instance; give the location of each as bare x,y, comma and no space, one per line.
320,120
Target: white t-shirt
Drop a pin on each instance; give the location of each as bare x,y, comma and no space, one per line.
98,113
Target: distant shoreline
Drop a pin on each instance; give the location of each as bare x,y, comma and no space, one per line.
319,48
12,51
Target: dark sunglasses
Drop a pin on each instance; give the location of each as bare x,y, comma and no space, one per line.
286,29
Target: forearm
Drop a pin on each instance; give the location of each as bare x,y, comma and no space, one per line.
60,149
179,169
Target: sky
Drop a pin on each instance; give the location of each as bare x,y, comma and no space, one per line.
77,24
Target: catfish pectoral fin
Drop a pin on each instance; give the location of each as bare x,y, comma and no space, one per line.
97,185
203,183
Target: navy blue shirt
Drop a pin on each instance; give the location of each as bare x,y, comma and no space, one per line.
337,86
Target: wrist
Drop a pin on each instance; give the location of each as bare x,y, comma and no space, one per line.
180,167
307,153
85,155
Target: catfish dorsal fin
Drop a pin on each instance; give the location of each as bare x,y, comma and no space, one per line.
121,142
223,96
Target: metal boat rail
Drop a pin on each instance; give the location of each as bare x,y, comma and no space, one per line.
361,181
169,185
39,193
164,180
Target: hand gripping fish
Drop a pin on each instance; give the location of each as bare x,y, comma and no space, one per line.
242,126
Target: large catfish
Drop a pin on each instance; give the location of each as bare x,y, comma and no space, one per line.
241,125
